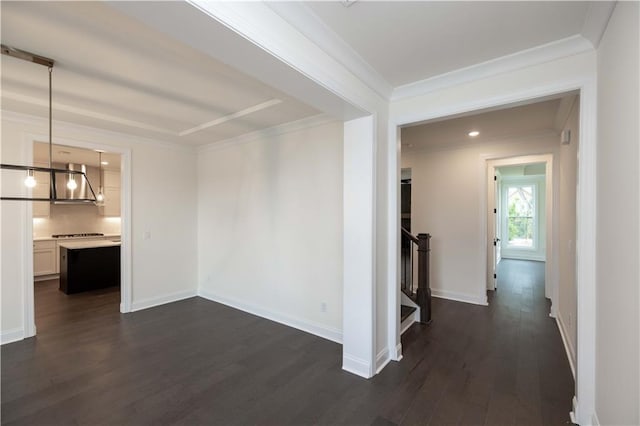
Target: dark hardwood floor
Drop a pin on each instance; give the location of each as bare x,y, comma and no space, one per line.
197,362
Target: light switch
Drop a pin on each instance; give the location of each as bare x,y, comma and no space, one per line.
147,235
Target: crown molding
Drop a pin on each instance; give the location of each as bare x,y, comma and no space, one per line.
63,126
596,21
303,19
540,54
293,126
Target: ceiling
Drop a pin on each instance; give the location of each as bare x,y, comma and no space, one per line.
113,72
118,70
414,40
540,118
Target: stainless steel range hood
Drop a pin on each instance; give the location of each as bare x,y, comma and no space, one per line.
74,186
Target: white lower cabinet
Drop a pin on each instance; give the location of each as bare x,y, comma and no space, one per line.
44,258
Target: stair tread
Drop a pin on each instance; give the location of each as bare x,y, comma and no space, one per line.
406,311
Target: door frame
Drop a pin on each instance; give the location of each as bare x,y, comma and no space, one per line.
550,267
582,79
126,286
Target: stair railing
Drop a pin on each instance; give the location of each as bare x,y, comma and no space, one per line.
423,294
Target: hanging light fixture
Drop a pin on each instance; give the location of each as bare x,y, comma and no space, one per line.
30,181
100,196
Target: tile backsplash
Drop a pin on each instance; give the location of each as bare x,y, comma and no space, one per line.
74,219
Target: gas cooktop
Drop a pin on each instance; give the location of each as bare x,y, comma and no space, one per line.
88,234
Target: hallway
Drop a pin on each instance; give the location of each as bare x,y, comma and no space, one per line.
504,364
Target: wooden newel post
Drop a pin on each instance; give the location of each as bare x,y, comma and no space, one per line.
424,290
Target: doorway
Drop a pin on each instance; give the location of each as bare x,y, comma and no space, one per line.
68,237
120,168
584,198
520,212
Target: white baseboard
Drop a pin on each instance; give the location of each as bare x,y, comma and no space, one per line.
398,356
321,330
46,277
357,366
161,300
568,347
460,297
12,335
572,414
382,359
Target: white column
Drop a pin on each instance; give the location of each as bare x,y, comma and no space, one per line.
358,354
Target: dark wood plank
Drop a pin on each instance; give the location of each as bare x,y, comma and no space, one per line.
199,362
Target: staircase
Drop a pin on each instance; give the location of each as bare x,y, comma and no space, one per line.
415,303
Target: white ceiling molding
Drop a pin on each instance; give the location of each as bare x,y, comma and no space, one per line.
63,127
305,123
537,55
238,114
301,17
85,113
595,23
261,44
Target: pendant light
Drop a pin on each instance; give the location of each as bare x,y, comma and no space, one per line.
100,196
30,180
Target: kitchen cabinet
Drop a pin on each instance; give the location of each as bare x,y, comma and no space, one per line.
45,255
41,190
111,206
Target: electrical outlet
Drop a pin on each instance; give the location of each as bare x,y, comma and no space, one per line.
323,307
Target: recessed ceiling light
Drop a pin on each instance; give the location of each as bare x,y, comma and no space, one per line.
474,133
104,163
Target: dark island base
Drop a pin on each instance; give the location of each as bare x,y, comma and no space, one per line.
89,268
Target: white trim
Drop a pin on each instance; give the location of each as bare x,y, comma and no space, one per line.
398,354
536,55
595,421
126,281
394,295
317,329
568,347
574,410
460,297
293,126
162,300
62,126
302,18
28,298
382,359
357,366
596,21
586,253
13,335
523,255
551,219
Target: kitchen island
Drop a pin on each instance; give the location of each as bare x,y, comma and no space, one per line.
89,265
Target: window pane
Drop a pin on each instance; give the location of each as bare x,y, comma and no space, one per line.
521,208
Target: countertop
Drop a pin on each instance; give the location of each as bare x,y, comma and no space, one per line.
87,244
95,237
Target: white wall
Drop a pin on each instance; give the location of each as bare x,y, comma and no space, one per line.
566,211
270,226
448,199
618,212
163,196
